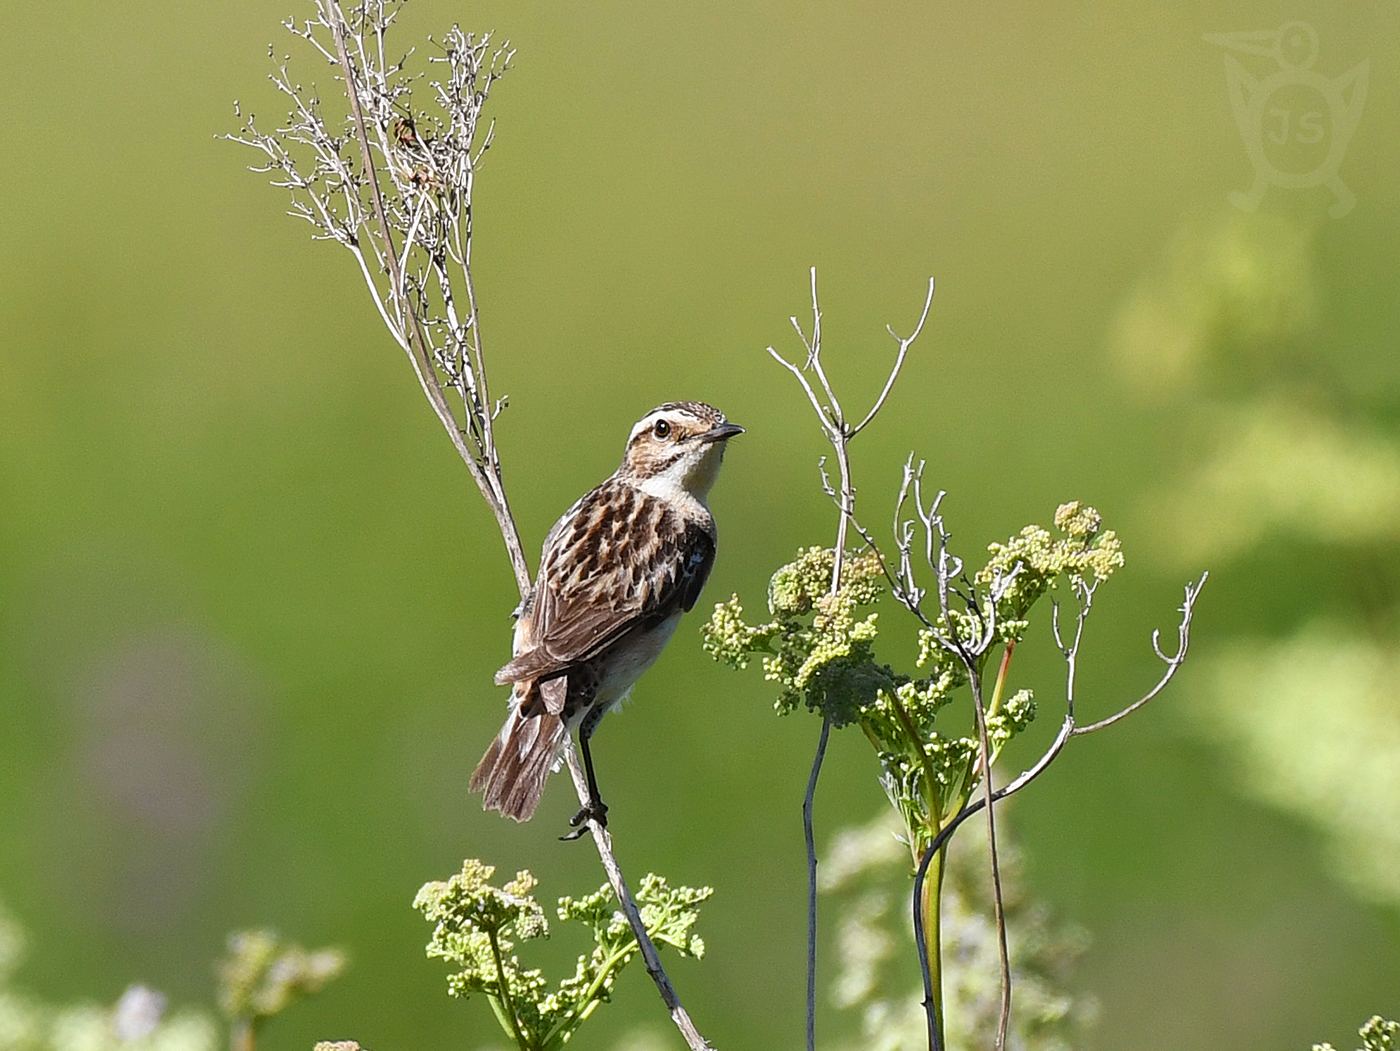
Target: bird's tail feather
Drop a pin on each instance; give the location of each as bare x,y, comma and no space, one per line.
512,772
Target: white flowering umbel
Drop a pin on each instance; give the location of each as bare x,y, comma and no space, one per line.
1379,1034
137,1022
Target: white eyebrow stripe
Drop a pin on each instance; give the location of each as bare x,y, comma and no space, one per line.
644,424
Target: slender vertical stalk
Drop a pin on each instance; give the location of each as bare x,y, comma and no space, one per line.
839,433
812,886
507,1002
933,937
998,906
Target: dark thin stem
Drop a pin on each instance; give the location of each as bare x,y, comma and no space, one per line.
998,904
812,885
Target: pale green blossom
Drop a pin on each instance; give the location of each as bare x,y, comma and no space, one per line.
477,926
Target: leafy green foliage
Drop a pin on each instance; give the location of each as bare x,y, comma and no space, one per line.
478,925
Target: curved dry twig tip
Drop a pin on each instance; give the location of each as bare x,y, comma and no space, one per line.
1173,663
797,327
807,389
1055,626
1068,729
905,342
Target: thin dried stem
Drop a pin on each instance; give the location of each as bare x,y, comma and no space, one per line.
603,840
833,424
904,343
400,202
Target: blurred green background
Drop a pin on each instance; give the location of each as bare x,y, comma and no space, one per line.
250,602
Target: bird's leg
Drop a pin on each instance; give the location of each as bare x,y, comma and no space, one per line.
595,809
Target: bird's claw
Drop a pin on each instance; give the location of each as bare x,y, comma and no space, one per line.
593,810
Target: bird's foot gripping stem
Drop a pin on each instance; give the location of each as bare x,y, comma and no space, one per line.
594,810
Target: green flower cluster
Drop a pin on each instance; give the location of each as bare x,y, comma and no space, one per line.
816,648
1038,559
819,648
478,926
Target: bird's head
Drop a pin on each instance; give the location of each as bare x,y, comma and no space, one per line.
677,448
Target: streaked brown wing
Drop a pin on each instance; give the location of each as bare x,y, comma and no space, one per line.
621,561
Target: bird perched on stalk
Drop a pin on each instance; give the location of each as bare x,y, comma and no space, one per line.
617,571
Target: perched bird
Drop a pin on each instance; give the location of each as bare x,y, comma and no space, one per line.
617,571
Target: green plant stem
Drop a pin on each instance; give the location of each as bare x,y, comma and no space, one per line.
591,999
506,1004
930,781
933,938
1001,677
997,690
985,758
809,836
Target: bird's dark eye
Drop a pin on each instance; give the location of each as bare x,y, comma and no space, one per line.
662,428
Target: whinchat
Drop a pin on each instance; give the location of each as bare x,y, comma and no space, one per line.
617,571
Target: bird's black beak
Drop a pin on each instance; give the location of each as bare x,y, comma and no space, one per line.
720,432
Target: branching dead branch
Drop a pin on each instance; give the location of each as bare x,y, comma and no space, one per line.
393,186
